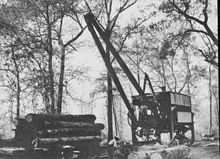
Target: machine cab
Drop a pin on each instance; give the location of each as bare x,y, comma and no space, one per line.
166,112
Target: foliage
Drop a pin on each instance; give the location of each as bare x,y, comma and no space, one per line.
38,37
196,17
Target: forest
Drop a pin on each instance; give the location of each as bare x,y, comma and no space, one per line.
51,65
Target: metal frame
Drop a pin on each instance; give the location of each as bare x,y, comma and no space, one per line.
95,28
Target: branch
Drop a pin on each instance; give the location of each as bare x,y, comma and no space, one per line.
131,31
108,11
207,58
2,85
110,5
152,65
185,33
61,24
124,7
38,8
205,12
121,9
196,31
75,38
72,47
203,23
183,86
188,73
172,72
187,16
88,6
7,70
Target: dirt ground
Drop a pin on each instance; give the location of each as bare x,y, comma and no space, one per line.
199,150
205,150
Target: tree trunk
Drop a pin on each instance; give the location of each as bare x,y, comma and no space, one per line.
164,80
18,88
210,99
50,61
110,95
188,78
210,33
46,97
138,68
51,79
215,94
18,95
62,69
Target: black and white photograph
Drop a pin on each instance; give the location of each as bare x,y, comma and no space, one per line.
109,79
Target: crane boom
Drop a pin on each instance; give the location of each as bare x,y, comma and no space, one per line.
90,20
91,23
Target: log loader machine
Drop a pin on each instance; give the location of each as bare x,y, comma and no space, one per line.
159,112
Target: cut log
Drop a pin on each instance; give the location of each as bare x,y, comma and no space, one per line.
19,121
66,140
88,118
180,152
63,132
24,130
24,135
137,155
161,155
76,125
150,147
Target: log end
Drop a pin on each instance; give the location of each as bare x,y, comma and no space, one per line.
163,155
178,152
138,155
28,118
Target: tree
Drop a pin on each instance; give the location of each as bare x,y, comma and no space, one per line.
154,52
12,64
198,19
40,34
195,16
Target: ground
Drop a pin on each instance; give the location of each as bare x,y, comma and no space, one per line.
199,150
205,150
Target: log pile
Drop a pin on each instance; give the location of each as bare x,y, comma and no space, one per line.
41,130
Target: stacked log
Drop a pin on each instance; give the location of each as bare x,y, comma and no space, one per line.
36,118
41,130
57,132
79,140
24,131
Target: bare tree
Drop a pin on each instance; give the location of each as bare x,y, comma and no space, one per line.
39,33
196,15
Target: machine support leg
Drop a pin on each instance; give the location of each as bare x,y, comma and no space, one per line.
171,125
134,138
